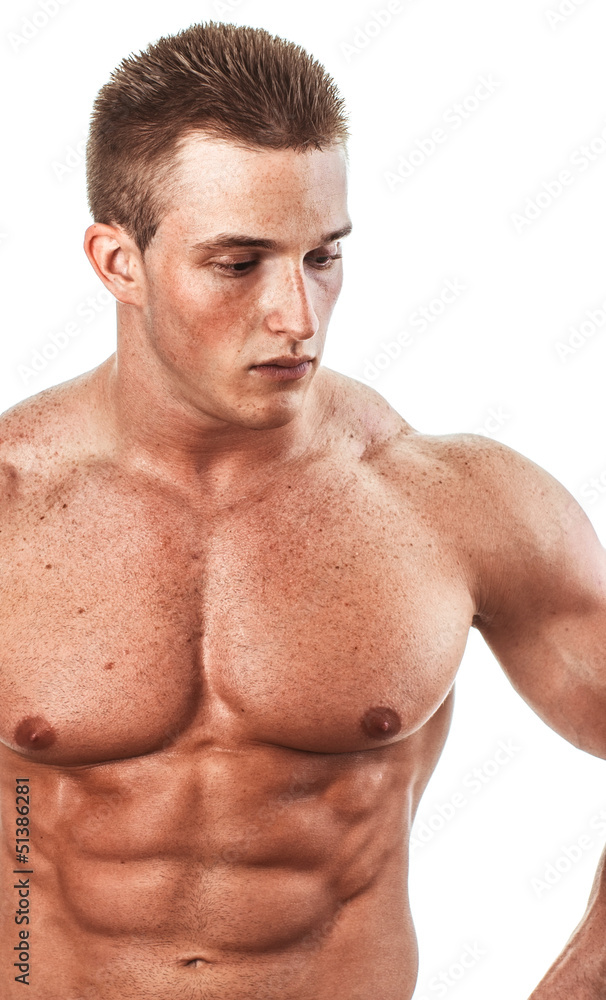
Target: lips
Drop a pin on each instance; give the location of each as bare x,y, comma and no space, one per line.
285,368
286,360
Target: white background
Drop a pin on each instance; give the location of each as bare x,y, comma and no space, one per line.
493,351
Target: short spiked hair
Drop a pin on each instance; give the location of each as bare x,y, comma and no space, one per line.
239,84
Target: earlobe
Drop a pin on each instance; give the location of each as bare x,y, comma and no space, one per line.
113,257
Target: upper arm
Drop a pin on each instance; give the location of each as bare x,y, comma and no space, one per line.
540,577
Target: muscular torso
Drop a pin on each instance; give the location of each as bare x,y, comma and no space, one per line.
227,712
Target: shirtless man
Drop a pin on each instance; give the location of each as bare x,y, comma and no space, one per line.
236,586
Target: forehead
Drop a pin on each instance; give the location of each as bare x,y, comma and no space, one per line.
221,186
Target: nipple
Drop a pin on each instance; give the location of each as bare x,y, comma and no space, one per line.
380,722
35,733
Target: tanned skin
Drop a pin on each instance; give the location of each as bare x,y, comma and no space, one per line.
232,609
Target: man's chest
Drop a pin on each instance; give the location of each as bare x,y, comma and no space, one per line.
137,622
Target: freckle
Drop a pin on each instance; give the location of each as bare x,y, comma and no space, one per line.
48,566
109,666
64,506
80,611
380,722
35,733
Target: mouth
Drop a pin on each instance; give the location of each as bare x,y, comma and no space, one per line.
284,369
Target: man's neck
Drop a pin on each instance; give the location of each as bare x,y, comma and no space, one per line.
150,428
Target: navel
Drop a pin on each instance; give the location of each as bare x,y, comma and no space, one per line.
35,733
380,722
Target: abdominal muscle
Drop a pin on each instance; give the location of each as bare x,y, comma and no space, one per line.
221,872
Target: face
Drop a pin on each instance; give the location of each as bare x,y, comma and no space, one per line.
242,277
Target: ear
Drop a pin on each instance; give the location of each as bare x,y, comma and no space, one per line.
117,260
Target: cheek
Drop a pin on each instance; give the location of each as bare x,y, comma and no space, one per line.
185,317
200,303
202,332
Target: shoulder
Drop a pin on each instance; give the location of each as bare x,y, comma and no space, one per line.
382,437
462,461
504,517
356,413
488,478
504,502
509,497
530,548
491,478
39,435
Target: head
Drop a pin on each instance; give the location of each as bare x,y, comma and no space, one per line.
216,167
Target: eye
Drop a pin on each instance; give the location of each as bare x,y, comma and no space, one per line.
325,260
238,267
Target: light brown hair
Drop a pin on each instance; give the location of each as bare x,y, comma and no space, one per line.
236,83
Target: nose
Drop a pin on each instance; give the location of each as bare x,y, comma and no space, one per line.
290,308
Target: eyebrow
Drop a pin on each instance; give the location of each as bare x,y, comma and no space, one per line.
229,241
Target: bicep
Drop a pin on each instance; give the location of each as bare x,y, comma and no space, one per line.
543,610
558,665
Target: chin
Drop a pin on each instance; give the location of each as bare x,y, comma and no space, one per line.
267,414
267,421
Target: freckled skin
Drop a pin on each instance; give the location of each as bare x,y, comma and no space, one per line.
222,644
233,687
208,811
